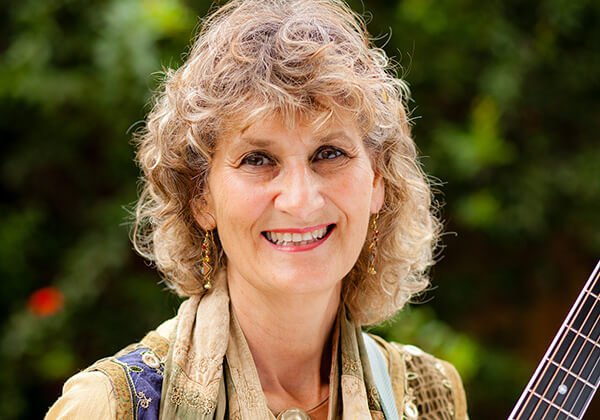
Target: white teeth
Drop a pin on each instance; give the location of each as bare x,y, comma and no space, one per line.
319,233
288,238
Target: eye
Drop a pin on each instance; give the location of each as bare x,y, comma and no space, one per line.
257,159
328,153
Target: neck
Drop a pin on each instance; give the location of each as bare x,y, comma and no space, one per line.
289,337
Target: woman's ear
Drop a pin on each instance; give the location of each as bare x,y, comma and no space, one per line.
378,195
203,212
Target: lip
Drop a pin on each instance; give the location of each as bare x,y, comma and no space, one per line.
300,230
301,248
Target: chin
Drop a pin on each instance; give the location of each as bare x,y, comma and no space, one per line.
306,282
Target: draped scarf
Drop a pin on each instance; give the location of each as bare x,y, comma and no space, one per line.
210,373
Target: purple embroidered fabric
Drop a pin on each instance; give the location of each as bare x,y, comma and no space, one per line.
144,373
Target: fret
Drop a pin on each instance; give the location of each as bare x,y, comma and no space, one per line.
586,395
551,380
538,407
532,403
586,319
586,338
545,406
567,350
574,403
573,375
591,328
564,389
593,324
555,414
578,354
588,355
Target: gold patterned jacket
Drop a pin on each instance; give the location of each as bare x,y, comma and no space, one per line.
128,384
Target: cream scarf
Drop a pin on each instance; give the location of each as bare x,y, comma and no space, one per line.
210,373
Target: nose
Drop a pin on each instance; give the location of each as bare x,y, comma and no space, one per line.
299,192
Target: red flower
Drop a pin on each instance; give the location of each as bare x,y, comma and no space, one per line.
45,301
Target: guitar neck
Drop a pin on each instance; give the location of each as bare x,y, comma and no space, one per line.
569,374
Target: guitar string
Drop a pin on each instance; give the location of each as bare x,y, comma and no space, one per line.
588,363
585,363
595,386
563,363
543,373
562,334
568,324
595,343
557,342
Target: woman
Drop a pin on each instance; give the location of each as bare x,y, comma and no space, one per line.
283,196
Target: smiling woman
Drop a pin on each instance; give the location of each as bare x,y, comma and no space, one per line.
268,202
283,196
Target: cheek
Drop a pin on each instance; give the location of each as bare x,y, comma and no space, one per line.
356,189
238,205
353,194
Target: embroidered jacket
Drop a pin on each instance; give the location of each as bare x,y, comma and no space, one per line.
424,387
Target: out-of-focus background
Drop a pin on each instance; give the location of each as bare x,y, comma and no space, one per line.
507,116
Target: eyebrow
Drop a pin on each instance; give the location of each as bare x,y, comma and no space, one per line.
335,135
265,142
257,142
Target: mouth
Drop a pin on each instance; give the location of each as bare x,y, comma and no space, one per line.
283,238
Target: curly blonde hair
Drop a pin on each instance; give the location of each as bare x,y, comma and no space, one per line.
309,58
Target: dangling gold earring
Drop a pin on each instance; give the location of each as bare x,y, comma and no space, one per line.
206,268
373,245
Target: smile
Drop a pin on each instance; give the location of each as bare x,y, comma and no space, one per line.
298,237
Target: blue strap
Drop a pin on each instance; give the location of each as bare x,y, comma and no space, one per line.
382,378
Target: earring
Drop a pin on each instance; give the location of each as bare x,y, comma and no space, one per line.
373,245
206,268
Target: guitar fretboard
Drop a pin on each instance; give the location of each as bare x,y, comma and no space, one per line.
569,374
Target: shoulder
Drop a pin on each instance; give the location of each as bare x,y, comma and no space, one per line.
125,386
423,385
84,393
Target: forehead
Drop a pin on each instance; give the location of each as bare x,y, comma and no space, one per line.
276,126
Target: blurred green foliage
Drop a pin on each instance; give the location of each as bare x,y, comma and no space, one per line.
506,115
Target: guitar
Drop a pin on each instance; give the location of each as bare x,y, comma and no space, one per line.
566,379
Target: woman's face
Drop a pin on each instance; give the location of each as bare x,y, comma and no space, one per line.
292,205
